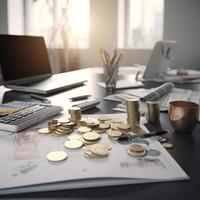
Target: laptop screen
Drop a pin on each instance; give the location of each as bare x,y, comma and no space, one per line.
23,59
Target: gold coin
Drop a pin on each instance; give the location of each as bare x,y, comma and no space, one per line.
73,144
96,150
156,137
56,156
109,122
123,126
104,126
99,130
64,130
91,136
114,127
114,133
103,118
136,154
84,129
136,148
44,131
74,137
99,151
86,142
91,122
167,145
162,139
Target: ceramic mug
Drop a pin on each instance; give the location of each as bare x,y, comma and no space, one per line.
183,116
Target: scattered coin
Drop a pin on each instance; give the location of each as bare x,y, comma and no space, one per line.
84,129
162,139
86,142
136,154
96,150
98,130
103,126
156,137
114,134
167,145
44,131
56,156
136,150
91,136
73,144
91,122
123,126
153,152
103,118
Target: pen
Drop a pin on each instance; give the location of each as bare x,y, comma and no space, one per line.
82,97
43,99
130,137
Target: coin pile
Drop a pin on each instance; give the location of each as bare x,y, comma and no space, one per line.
136,150
163,141
96,150
90,138
59,127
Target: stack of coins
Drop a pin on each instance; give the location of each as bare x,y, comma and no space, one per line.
133,114
96,150
136,150
153,112
123,127
101,128
91,122
52,125
75,114
113,134
90,138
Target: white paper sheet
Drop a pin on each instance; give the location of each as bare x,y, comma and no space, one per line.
25,168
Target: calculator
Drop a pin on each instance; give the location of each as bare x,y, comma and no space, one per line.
18,115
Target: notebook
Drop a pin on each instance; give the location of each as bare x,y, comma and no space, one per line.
25,66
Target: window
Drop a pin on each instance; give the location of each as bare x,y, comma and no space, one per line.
140,23
63,23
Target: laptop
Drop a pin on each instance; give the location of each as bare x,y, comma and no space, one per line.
160,60
25,66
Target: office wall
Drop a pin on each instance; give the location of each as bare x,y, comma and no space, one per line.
180,23
3,17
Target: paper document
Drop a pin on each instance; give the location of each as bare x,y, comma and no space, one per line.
25,167
172,95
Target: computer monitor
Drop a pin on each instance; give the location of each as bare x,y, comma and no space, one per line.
23,59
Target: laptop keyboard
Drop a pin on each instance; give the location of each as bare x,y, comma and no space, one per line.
17,115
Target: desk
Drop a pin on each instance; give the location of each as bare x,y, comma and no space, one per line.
186,152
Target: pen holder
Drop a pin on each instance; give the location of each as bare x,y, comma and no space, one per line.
111,74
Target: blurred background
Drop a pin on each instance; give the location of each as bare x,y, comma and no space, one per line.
75,30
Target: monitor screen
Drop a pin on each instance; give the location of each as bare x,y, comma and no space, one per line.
23,58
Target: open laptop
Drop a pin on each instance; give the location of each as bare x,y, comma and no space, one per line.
25,66
160,60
